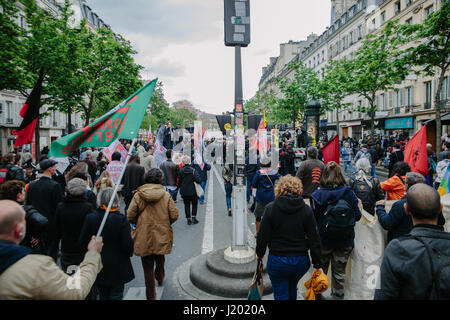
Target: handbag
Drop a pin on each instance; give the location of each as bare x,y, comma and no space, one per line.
198,187
257,287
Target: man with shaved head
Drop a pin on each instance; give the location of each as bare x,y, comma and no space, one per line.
33,276
407,271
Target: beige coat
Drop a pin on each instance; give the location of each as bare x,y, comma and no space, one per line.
156,213
37,277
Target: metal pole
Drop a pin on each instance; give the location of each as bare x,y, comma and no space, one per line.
115,190
239,240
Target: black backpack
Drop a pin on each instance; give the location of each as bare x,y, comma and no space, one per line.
440,266
339,221
364,192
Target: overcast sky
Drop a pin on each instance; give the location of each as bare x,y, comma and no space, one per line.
182,42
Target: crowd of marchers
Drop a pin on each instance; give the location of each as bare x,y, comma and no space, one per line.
304,216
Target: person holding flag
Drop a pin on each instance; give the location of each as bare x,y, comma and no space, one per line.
122,122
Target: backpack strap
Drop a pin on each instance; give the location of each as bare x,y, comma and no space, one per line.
434,282
269,180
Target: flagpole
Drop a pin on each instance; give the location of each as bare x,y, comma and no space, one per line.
115,190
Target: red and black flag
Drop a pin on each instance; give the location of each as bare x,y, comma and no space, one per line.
30,115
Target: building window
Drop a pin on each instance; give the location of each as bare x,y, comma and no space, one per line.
444,90
428,11
391,99
408,3
427,95
383,102
409,97
360,32
409,21
9,112
397,7
397,101
383,17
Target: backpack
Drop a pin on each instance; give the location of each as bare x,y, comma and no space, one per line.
4,174
366,155
440,268
363,190
339,221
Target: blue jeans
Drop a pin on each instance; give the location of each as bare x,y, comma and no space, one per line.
374,170
203,185
228,190
346,165
249,187
285,273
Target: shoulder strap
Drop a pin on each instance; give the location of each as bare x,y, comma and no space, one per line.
401,179
269,180
434,281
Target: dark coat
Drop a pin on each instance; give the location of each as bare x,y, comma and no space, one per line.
320,200
44,195
133,178
405,271
170,170
187,177
70,216
397,221
289,229
264,183
117,248
202,173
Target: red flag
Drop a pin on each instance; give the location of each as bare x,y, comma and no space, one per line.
30,115
331,150
416,152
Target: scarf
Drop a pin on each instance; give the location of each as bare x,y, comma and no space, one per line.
103,207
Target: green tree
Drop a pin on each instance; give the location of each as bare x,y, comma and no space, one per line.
297,91
378,65
334,87
263,102
11,48
431,52
158,111
102,73
43,45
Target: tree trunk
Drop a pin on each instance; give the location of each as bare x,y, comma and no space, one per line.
337,121
437,105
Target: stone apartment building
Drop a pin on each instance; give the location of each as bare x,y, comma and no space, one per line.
405,108
55,125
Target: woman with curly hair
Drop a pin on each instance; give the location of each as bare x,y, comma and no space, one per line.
289,230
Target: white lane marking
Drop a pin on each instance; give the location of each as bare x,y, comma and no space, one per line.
219,178
208,229
138,293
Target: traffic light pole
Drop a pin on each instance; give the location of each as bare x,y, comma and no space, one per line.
239,193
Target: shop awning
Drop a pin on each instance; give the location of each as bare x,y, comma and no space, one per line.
445,119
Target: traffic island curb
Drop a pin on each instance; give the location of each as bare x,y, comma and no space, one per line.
198,280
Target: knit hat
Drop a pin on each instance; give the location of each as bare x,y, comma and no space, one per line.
76,187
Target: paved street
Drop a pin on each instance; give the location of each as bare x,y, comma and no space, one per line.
213,231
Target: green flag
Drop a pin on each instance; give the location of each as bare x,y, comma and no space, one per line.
124,122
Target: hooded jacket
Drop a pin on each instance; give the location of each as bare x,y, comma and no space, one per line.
288,228
153,211
325,196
